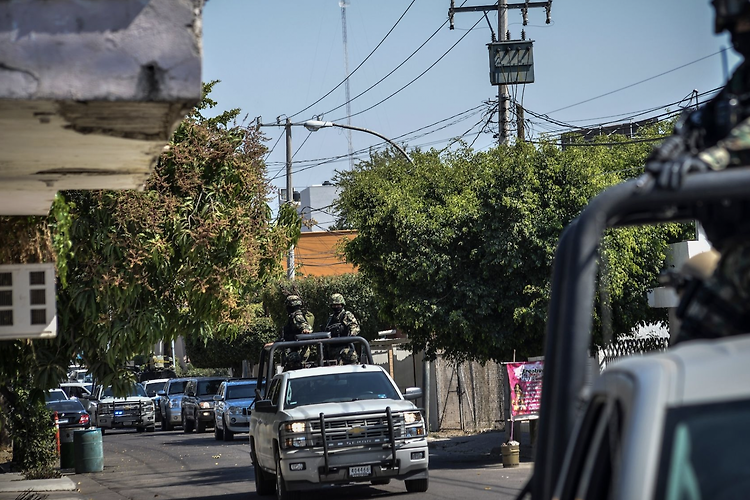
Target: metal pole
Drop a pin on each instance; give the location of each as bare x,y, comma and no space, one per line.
502,90
519,123
289,192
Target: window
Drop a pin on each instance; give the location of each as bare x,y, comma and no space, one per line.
244,391
338,388
706,452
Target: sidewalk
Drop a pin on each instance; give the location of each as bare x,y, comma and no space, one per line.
13,485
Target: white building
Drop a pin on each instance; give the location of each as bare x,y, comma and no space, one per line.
316,207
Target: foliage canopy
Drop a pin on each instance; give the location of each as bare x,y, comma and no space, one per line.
459,247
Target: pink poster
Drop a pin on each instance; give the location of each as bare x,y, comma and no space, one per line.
525,387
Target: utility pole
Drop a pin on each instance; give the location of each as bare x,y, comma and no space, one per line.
289,192
502,90
521,130
511,61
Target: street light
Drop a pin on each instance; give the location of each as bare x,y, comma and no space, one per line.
315,125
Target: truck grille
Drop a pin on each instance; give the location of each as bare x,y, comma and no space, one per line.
358,430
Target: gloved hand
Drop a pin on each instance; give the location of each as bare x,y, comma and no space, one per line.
337,329
669,149
670,174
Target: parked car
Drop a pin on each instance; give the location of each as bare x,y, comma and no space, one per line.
70,413
198,403
133,410
152,388
171,403
77,389
55,395
231,405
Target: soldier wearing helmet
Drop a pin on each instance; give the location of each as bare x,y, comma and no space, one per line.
299,321
348,356
716,136
341,323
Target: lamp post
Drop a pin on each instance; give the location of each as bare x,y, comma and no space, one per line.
314,125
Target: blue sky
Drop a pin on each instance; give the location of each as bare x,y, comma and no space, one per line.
597,61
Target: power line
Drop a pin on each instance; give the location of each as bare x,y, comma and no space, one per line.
637,83
360,64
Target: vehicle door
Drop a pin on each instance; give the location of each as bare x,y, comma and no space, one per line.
264,426
220,402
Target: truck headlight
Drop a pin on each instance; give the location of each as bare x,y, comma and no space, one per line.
412,417
295,427
205,404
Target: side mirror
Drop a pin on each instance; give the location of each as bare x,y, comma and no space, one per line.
161,393
413,393
264,406
217,397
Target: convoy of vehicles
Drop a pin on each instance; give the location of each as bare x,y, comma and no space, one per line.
322,423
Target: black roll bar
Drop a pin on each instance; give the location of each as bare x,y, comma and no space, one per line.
569,321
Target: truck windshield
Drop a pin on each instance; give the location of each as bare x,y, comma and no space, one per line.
339,388
706,452
134,391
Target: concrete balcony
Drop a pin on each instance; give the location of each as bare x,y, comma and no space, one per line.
90,92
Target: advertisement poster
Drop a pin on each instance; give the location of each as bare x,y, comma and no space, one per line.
525,388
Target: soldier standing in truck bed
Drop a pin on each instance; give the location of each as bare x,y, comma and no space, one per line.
341,323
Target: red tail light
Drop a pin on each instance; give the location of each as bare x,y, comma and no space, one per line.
85,418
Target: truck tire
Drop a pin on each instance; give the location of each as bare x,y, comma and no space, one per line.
218,433
265,484
281,492
140,429
417,485
165,425
200,426
228,435
187,424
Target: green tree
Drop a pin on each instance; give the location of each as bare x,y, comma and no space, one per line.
187,256
459,247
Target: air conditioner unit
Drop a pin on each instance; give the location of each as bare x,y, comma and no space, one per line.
27,301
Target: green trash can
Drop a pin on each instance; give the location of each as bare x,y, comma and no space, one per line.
67,454
89,454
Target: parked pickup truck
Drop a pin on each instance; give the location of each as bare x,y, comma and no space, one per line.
326,424
135,409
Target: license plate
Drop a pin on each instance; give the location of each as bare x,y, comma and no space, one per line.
119,413
360,471
62,421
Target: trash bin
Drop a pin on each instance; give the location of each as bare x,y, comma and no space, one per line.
88,451
511,454
67,460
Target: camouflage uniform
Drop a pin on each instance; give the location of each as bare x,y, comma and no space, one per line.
716,136
297,323
341,323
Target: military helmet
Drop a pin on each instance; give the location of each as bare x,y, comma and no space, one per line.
293,361
293,301
348,356
337,299
727,12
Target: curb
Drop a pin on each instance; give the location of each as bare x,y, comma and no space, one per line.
14,482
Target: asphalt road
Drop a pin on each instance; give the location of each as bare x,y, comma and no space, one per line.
166,465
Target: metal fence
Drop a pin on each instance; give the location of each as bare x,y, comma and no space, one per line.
630,347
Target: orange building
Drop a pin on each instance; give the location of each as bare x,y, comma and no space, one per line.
318,253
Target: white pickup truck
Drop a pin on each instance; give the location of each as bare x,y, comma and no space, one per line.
334,424
135,409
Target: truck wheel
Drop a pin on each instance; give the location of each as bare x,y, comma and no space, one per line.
281,492
140,429
228,435
200,426
102,428
265,484
165,426
187,425
417,485
218,433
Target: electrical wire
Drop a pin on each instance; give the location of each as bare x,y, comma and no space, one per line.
637,83
360,64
